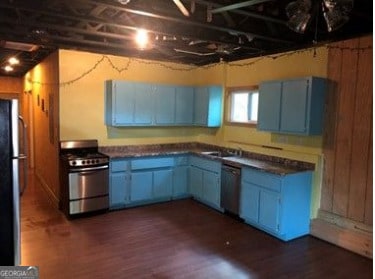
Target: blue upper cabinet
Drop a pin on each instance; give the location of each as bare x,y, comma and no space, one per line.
207,106
165,99
184,105
119,106
269,106
144,104
128,103
294,106
143,114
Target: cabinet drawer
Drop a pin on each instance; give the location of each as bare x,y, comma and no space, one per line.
206,164
118,165
152,163
262,179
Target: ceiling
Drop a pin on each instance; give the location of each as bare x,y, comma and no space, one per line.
210,32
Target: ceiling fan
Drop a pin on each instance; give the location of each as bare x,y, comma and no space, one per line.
335,12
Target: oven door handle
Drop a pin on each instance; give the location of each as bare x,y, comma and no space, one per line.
90,169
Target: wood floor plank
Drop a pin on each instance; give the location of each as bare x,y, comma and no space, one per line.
178,239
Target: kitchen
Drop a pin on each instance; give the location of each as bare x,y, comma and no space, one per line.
58,99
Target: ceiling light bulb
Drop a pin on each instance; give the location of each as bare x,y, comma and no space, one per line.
8,68
141,38
13,61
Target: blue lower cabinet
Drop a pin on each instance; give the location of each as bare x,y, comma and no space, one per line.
150,186
180,182
151,180
118,183
117,193
269,210
278,205
211,188
249,202
141,186
162,184
204,177
196,182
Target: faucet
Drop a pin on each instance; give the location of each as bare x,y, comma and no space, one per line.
239,151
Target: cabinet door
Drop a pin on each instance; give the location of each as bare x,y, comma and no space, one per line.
141,186
201,106
269,106
162,183
269,210
180,181
211,188
143,108
249,202
123,102
184,105
196,181
294,106
164,105
117,193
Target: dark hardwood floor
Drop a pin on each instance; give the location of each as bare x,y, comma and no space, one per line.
179,239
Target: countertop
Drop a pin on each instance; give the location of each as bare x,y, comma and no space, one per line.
271,164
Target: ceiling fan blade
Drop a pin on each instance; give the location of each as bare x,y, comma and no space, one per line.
299,15
297,7
336,13
298,23
182,8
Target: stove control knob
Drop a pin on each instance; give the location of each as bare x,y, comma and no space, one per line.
74,163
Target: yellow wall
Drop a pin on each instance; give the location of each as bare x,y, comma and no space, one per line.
42,82
82,101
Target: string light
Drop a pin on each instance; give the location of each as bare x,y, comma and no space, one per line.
193,67
8,68
13,61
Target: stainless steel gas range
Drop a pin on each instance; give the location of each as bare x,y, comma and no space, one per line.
84,178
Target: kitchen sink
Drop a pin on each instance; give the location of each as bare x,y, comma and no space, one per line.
220,154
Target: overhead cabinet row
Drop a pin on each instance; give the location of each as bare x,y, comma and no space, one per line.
145,104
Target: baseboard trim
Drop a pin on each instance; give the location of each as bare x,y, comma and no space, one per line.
50,194
343,233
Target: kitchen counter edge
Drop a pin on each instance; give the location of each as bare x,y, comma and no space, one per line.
235,161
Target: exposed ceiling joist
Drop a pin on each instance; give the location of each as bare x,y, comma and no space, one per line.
216,6
220,30
237,6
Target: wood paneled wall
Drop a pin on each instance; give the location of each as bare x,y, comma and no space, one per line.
346,197
11,85
347,141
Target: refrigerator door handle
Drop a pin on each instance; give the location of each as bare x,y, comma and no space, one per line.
24,155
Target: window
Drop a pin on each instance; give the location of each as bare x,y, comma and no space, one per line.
243,106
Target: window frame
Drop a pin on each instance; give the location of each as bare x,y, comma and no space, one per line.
228,105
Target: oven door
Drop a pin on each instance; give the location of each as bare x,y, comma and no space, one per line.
88,182
88,189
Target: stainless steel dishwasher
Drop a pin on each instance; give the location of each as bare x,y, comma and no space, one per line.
230,188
